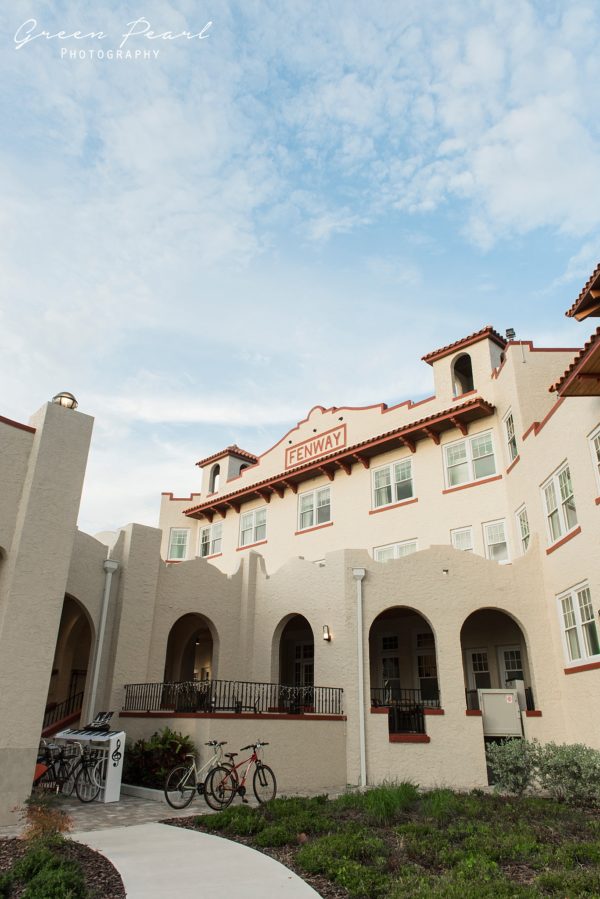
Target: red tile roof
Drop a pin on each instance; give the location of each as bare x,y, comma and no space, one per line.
232,450
487,332
584,356
577,310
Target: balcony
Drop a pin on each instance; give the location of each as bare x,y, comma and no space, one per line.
406,707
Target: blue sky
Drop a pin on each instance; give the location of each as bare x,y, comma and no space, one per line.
293,210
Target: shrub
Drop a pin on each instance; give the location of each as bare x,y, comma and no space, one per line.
62,882
147,762
381,804
571,773
276,835
441,804
43,818
237,820
514,764
6,882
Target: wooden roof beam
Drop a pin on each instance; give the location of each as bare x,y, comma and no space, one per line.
279,490
328,472
345,466
433,434
265,494
406,441
293,487
364,461
462,427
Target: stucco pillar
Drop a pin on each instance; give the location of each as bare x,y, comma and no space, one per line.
33,588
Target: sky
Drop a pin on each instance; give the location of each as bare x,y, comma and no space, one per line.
286,205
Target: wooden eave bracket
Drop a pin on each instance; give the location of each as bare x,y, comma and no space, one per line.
328,472
293,487
462,427
234,506
433,434
265,494
279,489
406,441
364,461
345,466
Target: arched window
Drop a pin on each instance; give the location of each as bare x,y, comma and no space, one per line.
213,484
462,372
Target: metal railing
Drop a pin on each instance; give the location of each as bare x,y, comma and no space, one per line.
404,697
472,699
232,696
63,709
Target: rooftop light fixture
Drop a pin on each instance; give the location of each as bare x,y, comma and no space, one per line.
65,399
510,333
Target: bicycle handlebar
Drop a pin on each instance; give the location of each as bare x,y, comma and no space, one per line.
216,743
256,745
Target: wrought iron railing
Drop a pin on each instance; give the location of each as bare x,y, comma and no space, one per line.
63,709
232,696
401,696
472,698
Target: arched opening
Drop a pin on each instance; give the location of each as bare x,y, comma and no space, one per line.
494,655
294,649
215,477
402,659
70,667
190,650
462,375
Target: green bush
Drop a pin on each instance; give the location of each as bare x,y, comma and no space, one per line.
352,858
571,773
277,835
514,764
147,762
238,820
63,882
6,882
381,804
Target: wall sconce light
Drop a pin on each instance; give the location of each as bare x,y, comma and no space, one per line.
445,571
65,399
326,633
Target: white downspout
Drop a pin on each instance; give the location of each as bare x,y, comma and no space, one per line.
110,566
358,575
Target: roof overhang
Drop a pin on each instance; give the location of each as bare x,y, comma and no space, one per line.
487,333
430,428
587,303
582,378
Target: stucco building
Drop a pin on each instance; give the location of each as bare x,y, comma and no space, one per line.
343,595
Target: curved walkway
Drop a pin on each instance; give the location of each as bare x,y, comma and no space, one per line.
158,861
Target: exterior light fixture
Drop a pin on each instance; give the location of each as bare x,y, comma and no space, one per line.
445,571
510,333
65,399
326,633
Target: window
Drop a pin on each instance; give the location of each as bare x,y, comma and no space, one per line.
470,460
523,528
511,439
253,526
462,538
314,508
595,447
427,667
394,550
178,541
462,370
561,514
210,540
579,624
496,547
392,483
215,476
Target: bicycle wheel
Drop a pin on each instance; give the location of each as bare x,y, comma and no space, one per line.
69,782
180,786
85,786
220,787
46,783
264,783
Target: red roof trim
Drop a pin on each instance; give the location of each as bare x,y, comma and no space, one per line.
577,362
16,424
579,302
536,426
180,499
488,332
232,450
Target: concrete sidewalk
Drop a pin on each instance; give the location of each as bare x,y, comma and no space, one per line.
157,861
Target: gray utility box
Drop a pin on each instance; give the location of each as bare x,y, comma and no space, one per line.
501,713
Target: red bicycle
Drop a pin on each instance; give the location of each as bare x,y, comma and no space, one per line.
222,784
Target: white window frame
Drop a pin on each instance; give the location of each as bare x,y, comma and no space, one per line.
315,495
176,532
554,486
469,459
454,533
393,483
214,541
572,604
523,529
488,545
400,550
511,437
594,439
254,529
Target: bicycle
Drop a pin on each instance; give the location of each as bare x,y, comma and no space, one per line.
91,776
224,783
184,781
55,768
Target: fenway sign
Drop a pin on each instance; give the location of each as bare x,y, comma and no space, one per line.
314,447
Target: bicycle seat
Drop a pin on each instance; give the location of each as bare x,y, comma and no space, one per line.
231,755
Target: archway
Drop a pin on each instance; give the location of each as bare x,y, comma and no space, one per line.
402,659
462,372
494,653
190,649
297,653
70,667
215,476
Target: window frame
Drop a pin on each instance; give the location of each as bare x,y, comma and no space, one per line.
511,438
185,544
554,482
485,525
253,527
393,483
468,529
212,539
577,625
314,508
467,442
396,546
595,451
523,537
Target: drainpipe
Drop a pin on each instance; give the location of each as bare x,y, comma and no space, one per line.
110,566
358,575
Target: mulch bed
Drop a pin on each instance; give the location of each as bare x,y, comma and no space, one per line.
101,877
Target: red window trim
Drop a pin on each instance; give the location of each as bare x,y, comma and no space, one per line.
564,540
513,463
213,556
406,502
590,666
316,527
251,545
597,500
473,713
497,477
409,738
533,713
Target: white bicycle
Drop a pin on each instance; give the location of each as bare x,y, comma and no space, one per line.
184,781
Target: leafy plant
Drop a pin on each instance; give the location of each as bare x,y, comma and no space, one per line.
514,764
571,773
147,762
